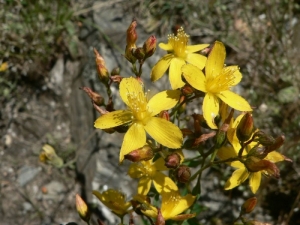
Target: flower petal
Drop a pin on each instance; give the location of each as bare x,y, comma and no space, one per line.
215,60
144,185
159,164
163,183
196,48
194,76
254,181
134,138
171,208
161,67
175,73
164,132
236,73
163,101
235,101
113,119
166,47
130,86
210,109
238,177
196,60
275,157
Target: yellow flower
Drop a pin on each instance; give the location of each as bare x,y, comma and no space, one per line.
114,200
179,53
148,171
140,116
216,84
242,173
173,204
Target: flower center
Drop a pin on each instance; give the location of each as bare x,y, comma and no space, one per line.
222,82
138,105
179,43
149,170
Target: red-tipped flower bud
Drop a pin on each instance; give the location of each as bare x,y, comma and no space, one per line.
131,33
149,46
183,174
172,160
82,209
245,127
165,115
263,138
141,154
248,205
187,90
101,67
254,164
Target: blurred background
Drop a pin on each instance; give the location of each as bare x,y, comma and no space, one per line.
46,56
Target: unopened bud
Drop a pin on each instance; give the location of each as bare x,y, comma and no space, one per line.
82,209
138,53
248,205
254,164
149,46
96,98
220,138
131,34
115,71
48,155
165,115
183,174
263,138
183,104
128,53
187,90
160,219
101,67
172,160
141,154
277,144
245,128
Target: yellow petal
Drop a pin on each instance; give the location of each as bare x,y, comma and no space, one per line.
238,177
194,76
275,157
163,183
175,73
196,60
161,67
130,86
148,209
196,48
144,185
159,164
164,132
171,208
237,74
166,47
134,138
113,119
235,101
163,101
254,181
210,109
215,60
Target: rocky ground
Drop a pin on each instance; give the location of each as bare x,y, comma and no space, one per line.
56,111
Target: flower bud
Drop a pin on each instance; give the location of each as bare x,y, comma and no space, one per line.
160,219
131,34
254,164
96,98
245,128
141,154
82,209
138,53
101,68
187,90
165,115
115,71
172,160
248,205
183,174
48,155
263,138
149,46
277,144
182,106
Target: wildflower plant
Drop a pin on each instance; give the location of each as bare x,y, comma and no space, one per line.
156,140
